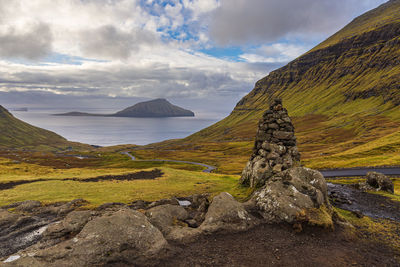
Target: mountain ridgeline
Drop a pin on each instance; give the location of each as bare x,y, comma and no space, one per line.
344,94
157,108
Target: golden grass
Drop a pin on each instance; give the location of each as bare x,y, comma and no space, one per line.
382,231
173,183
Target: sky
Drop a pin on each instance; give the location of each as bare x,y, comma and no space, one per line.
201,54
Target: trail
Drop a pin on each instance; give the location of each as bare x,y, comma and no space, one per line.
208,169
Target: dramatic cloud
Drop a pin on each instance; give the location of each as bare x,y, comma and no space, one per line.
244,21
32,42
109,42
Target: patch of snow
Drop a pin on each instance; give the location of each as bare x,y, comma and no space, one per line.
12,258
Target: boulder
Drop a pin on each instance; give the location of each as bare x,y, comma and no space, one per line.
380,181
171,221
295,195
165,217
226,214
124,236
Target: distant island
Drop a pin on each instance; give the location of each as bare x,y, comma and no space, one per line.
157,108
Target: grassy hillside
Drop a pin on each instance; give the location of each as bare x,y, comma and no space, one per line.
15,133
344,96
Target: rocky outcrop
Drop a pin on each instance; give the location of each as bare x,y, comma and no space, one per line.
116,232
275,147
377,182
295,196
125,236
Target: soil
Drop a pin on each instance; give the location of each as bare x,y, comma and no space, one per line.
279,245
142,175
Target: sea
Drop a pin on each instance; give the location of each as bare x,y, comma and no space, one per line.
109,131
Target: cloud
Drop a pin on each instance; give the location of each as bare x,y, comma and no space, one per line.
33,42
258,21
109,42
274,53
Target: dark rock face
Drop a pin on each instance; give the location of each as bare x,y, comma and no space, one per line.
275,147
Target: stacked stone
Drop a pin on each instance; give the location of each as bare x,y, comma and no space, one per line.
275,147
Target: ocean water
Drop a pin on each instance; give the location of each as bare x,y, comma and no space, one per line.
108,131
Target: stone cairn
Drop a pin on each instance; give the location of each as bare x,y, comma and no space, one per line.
275,148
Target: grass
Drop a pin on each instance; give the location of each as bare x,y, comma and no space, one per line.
175,182
16,133
382,231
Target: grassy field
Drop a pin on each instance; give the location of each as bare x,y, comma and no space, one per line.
174,182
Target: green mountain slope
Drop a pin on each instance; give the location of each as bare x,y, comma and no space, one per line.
15,133
344,96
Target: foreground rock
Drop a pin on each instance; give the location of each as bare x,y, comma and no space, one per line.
298,195
275,147
226,214
125,236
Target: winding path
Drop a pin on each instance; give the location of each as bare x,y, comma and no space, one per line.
208,169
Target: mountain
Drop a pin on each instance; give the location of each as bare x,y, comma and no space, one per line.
15,133
343,95
156,108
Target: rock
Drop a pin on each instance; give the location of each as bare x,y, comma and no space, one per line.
275,147
123,236
380,181
165,217
172,201
293,196
7,218
72,224
171,221
226,214
281,135
28,206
